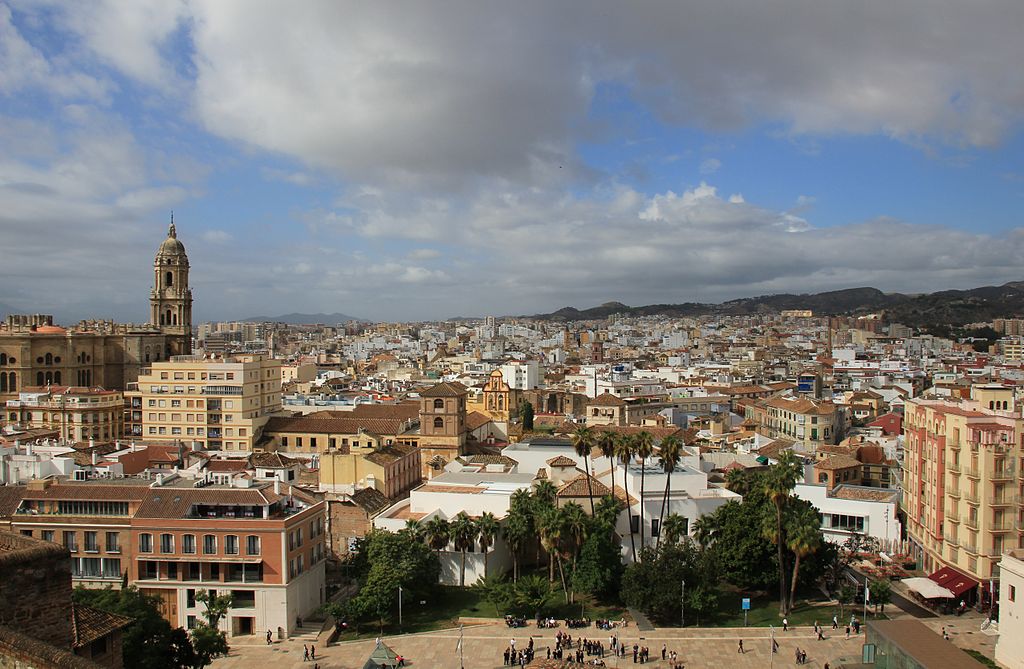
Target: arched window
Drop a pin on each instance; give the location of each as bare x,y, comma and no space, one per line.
438,404
174,319
49,358
49,378
161,319
3,358
1006,405
439,422
3,381
88,377
39,378
169,279
56,378
168,317
12,382
991,404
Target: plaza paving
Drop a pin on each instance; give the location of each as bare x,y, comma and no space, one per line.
484,644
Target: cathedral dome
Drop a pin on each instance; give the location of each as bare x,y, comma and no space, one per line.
171,246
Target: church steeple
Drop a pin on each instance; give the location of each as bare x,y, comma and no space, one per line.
171,298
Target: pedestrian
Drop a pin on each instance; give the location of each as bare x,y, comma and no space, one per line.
785,624
740,649
305,653
312,652
270,638
803,657
847,631
664,651
821,637
775,646
835,622
798,655
505,657
512,642
401,661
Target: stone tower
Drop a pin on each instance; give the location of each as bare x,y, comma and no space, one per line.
171,299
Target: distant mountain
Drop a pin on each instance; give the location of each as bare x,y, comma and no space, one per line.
305,319
948,307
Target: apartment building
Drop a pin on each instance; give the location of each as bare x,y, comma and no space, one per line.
219,404
961,485
809,423
77,413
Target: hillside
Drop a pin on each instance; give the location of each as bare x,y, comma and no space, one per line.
305,319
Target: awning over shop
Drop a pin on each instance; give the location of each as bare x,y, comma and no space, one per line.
927,588
954,581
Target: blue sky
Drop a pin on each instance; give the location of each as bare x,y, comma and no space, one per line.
421,161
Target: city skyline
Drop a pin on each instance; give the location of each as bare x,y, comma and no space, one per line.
427,162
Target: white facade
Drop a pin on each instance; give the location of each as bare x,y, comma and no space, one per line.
1010,645
842,517
521,375
19,464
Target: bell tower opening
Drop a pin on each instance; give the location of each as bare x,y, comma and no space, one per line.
171,298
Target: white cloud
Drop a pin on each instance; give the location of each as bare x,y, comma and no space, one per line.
710,165
424,254
216,236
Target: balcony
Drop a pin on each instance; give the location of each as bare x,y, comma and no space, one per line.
953,517
1003,475
953,492
970,548
971,522
972,472
952,541
972,498
954,467
1002,526
1003,500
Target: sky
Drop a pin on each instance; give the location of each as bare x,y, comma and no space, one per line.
423,160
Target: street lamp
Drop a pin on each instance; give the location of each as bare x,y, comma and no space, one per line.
399,607
682,603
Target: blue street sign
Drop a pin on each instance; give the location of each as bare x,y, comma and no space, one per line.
746,603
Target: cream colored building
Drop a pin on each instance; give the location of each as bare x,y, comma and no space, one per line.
1010,645
79,414
961,490
810,423
221,404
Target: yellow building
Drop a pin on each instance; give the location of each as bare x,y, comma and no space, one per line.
79,414
221,404
442,425
960,481
810,423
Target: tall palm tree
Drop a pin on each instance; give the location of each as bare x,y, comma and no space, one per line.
517,531
803,538
438,532
778,485
624,449
543,495
487,527
675,528
669,455
464,534
606,443
738,481
551,527
576,525
583,442
414,529
643,448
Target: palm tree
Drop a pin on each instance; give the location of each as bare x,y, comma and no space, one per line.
803,538
518,531
487,527
778,485
464,534
543,495
607,514
624,449
704,529
606,443
675,528
583,442
552,534
576,525
643,448
669,455
414,529
738,481
438,533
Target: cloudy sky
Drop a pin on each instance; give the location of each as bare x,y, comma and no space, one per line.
417,160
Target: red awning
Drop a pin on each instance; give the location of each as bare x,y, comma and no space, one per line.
954,581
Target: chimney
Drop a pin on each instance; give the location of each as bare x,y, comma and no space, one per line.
159,479
277,486
95,458
92,443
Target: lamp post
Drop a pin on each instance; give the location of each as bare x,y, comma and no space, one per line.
399,607
682,602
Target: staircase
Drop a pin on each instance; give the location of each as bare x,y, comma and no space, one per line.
308,632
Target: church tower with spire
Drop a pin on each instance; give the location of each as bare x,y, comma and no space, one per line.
171,298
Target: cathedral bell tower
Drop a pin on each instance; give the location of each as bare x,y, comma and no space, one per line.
171,299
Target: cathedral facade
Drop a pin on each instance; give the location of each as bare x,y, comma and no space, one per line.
34,352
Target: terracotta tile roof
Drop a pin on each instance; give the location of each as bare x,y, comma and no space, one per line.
446,389
400,411
866,494
801,406
271,460
606,399
837,462
577,487
226,466
542,474
169,502
466,489
773,448
89,492
319,423
89,624
475,420
389,454
561,461
370,500
10,499
489,459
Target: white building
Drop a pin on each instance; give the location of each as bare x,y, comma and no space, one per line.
850,509
20,463
521,374
1010,645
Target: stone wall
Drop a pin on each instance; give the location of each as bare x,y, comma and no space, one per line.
35,591
20,651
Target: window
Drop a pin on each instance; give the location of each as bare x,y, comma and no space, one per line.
188,543
655,527
113,542
145,543
91,545
439,422
190,598
252,545
70,541
166,543
47,535
231,544
111,568
209,544
438,404
1012,595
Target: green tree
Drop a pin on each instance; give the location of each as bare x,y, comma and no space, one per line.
669,455
576,526
738,481
606,441
653,584
552,530
599,568
778,487
438,533
606,515
149,640
415,529
624,449
464,534
527,415
643,448
675,528
881,594
845,595
208,640
517,532
583,443
494,589
487,530
531,595
803,538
